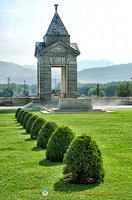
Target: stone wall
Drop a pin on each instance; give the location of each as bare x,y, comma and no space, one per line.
111,101
101,101
14,101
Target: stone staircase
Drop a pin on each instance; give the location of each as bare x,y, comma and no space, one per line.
47,107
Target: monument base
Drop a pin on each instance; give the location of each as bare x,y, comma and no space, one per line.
38,104
72,103
66,105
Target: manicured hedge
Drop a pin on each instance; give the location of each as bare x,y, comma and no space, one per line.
84,161
30,123
26,118
36,126
17,111
22,116
45,133
19,115
58,143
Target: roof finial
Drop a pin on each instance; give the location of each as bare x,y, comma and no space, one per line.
56,5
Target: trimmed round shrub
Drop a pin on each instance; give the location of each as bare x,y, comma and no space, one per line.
45,133
17,111
26,118
30,123
19,115
22,116
36,126
59,143
84,161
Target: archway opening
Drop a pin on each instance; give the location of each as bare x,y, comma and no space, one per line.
58,82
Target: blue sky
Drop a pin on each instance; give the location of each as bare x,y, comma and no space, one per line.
101,28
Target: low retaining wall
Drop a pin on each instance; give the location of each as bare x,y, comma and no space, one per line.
14,101
102,101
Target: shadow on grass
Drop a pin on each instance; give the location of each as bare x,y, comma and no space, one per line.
25,133
8,111
64,186
48,163
36,149
29,140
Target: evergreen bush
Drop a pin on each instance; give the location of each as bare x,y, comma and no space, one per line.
58,143
84,161
30,123
36,126
45,133
26,118
22,116
19,115
17,111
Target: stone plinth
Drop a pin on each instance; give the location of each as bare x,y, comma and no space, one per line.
77,104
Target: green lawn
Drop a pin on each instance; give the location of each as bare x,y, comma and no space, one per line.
24,172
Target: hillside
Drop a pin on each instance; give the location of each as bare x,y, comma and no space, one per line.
85,64
17,73
106,74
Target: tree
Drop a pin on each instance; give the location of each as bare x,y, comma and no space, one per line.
92,92
124,89
83,161
109,88
25,93
6,92
101,93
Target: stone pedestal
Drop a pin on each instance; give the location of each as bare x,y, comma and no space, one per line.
75,104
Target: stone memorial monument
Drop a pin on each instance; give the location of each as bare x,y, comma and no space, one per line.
56,51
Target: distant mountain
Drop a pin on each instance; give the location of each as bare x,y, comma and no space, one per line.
85,64
17,73
29,66
106,74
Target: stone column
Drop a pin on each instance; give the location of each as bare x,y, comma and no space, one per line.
44,78
72,79
63,81
45,82
38,81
